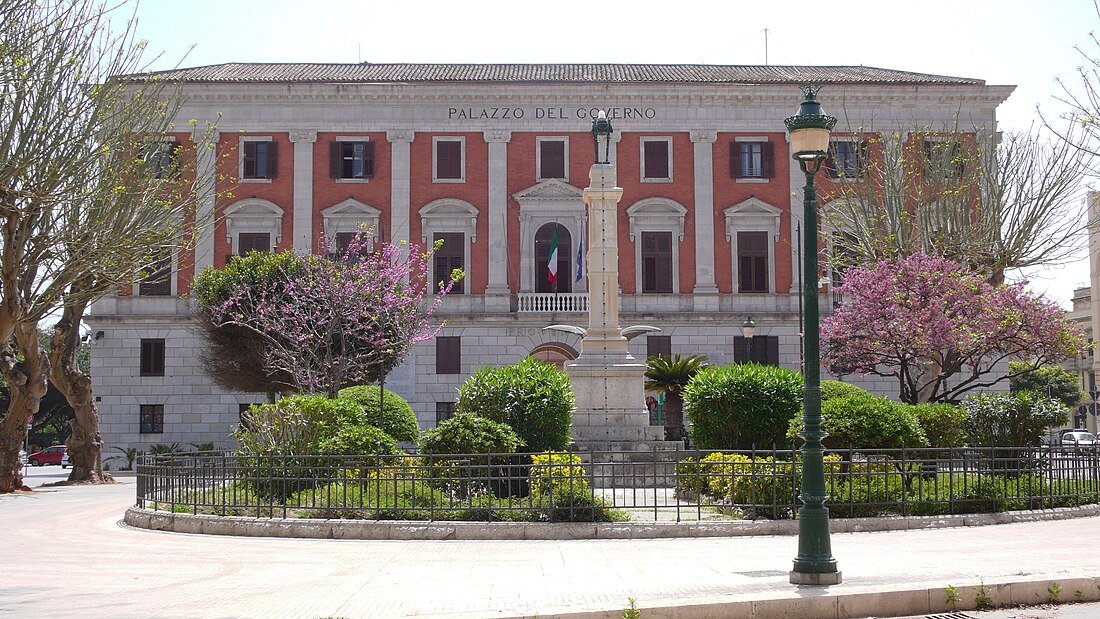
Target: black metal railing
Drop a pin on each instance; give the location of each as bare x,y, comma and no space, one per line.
657,485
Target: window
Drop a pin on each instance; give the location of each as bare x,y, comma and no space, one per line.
156,279
752,261
448,257
449,163
552,158
151,419
152,357
657,262
244,415
656,159
765,350
944,160
658,346
162,159
444,411
448,354
258,159
351,160
752,159
253,241
847,159
544,238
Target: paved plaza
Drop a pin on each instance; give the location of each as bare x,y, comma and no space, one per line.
65,553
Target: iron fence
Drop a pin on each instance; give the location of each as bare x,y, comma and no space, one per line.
655,485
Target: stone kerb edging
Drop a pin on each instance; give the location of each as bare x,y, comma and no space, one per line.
418,530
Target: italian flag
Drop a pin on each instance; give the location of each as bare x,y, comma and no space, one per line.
552,266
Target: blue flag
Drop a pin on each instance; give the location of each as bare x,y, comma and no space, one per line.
580,260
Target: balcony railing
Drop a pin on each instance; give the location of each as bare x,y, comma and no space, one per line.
553,302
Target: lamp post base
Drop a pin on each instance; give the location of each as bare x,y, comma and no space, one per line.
817,579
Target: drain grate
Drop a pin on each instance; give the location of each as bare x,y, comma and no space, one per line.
951,616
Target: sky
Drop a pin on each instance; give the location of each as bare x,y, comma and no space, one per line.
1026,43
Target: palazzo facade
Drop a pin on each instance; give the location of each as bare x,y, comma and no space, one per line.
493,159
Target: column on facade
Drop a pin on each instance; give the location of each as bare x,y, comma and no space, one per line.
1094,279
206,175
705,294
303,189
497,293
400,180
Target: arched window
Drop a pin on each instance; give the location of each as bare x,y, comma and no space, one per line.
543,241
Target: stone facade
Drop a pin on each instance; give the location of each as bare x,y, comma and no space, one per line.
692,119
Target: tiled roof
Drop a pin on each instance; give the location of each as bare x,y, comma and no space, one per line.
551,73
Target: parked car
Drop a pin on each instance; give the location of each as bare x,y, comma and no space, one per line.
1074,438
23,457
65,460
49,455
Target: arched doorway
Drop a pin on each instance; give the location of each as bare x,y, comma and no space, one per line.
543,241
555,353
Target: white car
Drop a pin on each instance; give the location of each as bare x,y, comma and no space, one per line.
23,457
1073,438
65,460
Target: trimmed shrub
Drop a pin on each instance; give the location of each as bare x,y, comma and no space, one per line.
356,440
742,405
942,424
867,422
550,470
292,426
831,389
533,397
398,420
470,434
1011,420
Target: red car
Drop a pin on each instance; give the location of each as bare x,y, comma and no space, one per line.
49,455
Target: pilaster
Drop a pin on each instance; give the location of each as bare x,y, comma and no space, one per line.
400,179
497,292
206,143
302,223
705,294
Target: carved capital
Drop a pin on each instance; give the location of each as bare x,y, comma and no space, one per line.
496,135
400,135
301,135
704,136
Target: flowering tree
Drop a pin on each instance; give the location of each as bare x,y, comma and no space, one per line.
940,329
328,322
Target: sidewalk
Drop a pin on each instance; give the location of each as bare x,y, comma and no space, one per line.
65,554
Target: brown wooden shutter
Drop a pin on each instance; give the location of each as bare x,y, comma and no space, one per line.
448,355
152,357
368,160
336,160
767,160
658,345
740,350
735,160
272,158
656,159
772,357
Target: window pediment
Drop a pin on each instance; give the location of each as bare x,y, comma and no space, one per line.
349,216
448,214
752,214
254,215
656,214
550,190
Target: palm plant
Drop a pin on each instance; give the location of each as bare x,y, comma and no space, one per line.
671,375
129,454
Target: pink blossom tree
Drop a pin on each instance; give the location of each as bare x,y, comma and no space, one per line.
335,321
940,329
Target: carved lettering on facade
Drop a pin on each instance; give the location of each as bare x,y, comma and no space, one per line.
548,113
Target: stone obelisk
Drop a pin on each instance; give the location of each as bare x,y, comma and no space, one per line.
607,380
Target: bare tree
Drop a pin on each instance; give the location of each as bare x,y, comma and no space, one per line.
1082,98
91,195
994,203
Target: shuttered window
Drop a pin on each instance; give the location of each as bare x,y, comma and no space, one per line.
552,159
448,354
351,160
765,350
752,261
450,256
448,159
847,159
253,241
259,160
658,346
152,357
657,262
752,160
163,159
655,159
157,278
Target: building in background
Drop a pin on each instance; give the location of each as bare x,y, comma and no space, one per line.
492,159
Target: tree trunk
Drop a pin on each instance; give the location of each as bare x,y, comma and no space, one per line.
27,379
674,416
85,443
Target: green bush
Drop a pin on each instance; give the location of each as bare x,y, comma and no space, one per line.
742,405
533,397
1011,420
831,389
1053,380
942,424
867,422
470,434
292,426
359,440
550,470
398,420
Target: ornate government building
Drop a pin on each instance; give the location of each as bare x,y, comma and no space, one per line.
493,160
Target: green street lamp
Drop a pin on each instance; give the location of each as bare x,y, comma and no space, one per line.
814,565
748,328
601,128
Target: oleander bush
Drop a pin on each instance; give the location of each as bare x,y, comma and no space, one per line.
532,397
740,406
1016,419
397,419
466,433
866,422
838,389
943,424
